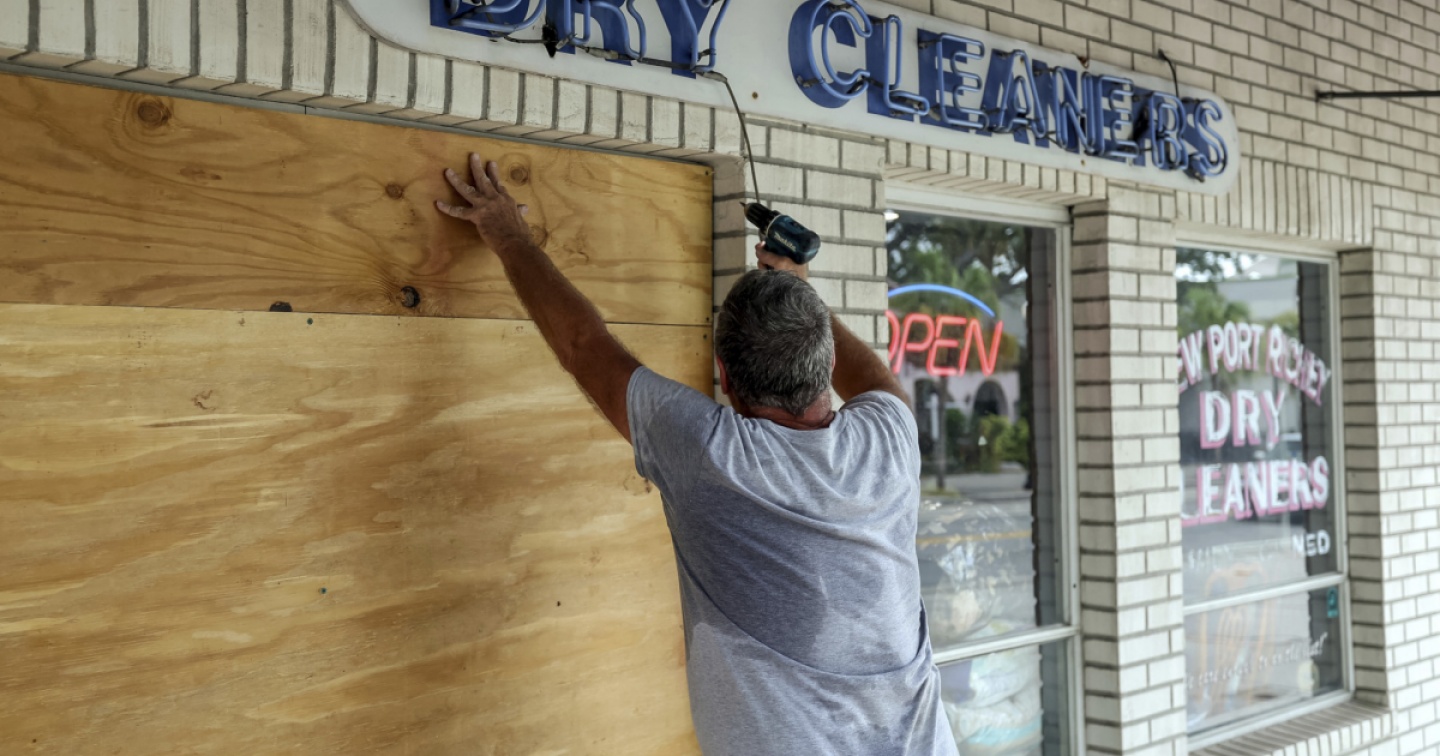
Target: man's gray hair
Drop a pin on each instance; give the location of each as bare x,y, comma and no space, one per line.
773,334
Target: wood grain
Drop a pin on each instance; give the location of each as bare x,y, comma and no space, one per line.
264,533
120,198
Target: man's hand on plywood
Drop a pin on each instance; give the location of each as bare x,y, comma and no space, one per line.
571,325
496,215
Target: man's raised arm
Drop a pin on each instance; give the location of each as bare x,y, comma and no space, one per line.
857,369
569,322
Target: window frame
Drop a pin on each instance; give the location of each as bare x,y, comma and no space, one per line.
1066,635
1209,239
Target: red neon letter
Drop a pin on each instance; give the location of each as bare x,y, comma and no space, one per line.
943,343
905,341
987,366
894,335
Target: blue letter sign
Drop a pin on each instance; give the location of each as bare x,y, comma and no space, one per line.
865,66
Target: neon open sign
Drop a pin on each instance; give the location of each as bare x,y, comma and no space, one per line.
947,341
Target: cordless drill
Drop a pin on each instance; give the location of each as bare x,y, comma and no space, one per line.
782,235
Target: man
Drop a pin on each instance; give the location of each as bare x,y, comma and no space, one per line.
794,525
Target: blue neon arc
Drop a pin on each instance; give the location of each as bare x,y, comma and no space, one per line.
912,288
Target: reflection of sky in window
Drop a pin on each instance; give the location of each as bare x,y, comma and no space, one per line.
1266,284
1268,298
1232,265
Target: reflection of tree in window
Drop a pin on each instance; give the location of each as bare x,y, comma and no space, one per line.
959,428
987,525
983,259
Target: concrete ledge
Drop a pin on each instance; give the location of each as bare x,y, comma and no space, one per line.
1336,731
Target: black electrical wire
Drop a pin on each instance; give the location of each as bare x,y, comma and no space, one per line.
612,55
744,130
1174,76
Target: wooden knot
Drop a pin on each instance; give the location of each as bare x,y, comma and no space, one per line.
520,175
395,191
153,113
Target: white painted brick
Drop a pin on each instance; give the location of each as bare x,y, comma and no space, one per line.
467,90
502,96
727,133
843,259
117,38
866,294
861,157
780,181
429,84
800,147
865,226
14,27
839,188
571,106
634,117
62,34
698,127
733,253
219,24
537,102
265,43
832,290
392,77
168,37
352,59
862,326
604,112
664,122
309,47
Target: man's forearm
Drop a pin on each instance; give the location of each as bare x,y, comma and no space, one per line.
857,368
565,317
570,323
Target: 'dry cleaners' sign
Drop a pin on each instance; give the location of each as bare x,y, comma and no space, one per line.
855,65
1248,383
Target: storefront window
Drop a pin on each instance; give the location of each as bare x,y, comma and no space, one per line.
1259,499
972,338
1010,702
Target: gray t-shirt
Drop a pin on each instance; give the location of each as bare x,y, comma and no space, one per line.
804,629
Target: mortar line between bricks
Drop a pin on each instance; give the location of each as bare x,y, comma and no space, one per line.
809,203
143,52
287,58
242,41
1079,215
818,168
195,50
90,29
849,242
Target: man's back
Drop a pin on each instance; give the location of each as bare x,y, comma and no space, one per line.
804,627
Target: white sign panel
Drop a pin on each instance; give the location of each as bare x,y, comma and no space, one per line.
855,65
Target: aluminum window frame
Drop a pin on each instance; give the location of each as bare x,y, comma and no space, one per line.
1066,634
1195,237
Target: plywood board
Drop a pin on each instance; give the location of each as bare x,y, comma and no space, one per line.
262,533
123,198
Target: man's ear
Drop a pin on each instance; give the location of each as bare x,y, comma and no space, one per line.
724,377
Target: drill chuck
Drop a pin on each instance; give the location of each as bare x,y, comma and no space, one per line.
782,234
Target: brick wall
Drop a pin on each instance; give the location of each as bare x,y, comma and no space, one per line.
1131,608
1358,178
